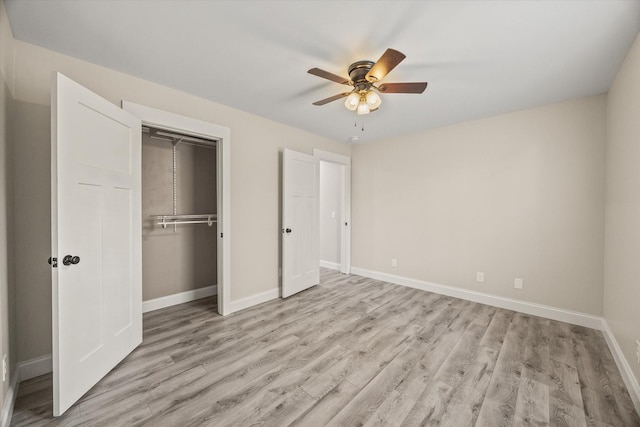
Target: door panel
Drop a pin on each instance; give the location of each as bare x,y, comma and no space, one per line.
118,281
300,223
92,153
96,216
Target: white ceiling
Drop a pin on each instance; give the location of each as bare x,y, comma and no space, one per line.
480,57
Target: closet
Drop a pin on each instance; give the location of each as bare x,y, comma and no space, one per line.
179,213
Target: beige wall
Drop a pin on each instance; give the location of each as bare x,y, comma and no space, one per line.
7,282
622,268
518,195
256,144
184,258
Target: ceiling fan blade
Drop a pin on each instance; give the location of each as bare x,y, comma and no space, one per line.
387,62
329,76
331,98
416,87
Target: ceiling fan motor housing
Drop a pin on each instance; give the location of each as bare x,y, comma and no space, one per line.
357,72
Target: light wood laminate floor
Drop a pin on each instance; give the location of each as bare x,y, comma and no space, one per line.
351,351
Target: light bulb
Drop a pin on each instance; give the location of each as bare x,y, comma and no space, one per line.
373,99
352,101
363,107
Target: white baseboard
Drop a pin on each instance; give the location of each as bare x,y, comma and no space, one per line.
623,365
9,400
34,367
331,265
24,371
180,298
252,300
562,315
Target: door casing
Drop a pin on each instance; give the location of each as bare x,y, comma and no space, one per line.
345,229
182,124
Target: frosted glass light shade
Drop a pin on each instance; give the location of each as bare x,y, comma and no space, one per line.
352,101
373,99
363,107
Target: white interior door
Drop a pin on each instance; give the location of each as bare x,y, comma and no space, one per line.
300,222
96,226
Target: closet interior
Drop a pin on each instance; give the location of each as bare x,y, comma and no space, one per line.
179,213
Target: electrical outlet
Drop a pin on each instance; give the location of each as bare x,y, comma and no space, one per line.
479,277
638,351
518,283
4,368
394,262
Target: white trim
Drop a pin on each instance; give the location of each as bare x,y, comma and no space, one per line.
179,298
623,365
9,400
34,367
24,371
553,313
329,264
345,236
252,300
178,123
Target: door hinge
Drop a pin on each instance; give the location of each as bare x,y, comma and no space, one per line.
53,262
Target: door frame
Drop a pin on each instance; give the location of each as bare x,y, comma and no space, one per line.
178,123
345,230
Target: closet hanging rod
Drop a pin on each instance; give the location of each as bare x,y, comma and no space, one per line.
176,222
189,216
164,220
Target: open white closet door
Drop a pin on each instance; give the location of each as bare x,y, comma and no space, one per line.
96,238
300,222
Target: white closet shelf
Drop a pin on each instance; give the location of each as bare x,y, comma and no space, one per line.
164,220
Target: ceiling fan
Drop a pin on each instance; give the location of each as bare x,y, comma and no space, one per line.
363,76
